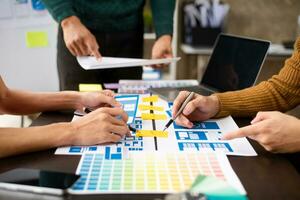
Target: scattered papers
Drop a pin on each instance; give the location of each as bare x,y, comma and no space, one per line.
89,62
151,133
205,136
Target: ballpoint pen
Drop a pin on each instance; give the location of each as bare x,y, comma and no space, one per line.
186,101
88,110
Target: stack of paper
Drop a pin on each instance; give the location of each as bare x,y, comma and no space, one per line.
90,62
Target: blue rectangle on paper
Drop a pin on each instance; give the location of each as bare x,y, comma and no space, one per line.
75,150
209,125
107,153
116,156
92,148
199,125
119,149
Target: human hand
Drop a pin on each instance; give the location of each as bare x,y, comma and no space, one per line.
97,99
275,131
100,126
198,109
162,48
79,40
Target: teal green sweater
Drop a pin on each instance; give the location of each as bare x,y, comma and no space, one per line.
114,15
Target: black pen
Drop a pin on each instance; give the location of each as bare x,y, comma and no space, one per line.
88,110
186,101
131,128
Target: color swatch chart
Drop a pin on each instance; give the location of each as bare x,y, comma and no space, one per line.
150,172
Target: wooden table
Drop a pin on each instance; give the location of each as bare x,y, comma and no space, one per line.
266,176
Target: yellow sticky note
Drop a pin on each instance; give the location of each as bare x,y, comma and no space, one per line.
149,116
90,87
148,107
151,133
153,98
36,39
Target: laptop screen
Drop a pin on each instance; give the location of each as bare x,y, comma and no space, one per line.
234,63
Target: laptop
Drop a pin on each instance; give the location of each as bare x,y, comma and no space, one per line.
233,65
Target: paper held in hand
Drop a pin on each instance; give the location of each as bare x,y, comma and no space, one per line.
90,62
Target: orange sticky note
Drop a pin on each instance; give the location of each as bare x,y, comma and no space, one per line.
148,107
153,98
151,133
150,116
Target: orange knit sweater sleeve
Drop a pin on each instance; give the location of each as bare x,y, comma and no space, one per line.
281,92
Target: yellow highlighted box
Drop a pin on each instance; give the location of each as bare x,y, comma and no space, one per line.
150,116
153,98
148,107
90,87
151,133
36,39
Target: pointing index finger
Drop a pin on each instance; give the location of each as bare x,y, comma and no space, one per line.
242,132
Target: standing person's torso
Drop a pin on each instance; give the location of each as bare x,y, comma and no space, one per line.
110,15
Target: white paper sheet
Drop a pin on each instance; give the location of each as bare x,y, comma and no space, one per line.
204,137
90,62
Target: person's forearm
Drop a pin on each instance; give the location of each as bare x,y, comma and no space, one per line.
163,12
281,92
21,102
23,140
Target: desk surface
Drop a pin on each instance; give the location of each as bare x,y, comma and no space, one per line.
267,176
